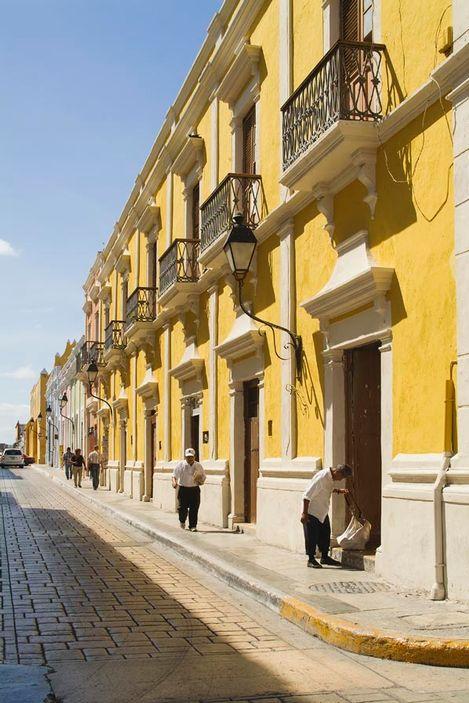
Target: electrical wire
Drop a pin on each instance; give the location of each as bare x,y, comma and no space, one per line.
409,181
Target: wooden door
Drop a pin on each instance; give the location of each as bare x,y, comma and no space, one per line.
149,486
251,449
195,427
363,432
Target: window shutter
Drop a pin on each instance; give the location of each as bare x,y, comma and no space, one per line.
249,142
350,20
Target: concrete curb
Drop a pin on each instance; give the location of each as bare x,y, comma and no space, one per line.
330,628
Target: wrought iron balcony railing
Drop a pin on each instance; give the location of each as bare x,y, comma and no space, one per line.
89,352
345,85
238,192
179,264
141,306
114,335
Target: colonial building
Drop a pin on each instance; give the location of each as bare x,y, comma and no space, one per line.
337,129
36,428
53,397
72,403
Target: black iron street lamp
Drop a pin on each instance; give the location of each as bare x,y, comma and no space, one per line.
49,413
31,425
63,402
92,373
239,248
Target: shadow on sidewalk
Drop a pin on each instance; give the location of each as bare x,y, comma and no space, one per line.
102,604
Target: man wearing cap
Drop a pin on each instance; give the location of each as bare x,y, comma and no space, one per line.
188,475
315,518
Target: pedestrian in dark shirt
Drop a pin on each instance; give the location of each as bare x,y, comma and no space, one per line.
67,463
78,463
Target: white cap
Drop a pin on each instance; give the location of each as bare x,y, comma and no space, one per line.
189,452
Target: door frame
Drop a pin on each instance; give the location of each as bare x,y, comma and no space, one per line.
361,329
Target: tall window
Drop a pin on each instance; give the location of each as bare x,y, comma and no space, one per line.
96,327
125,291
356,20
152,265
106,315
249,142
195,210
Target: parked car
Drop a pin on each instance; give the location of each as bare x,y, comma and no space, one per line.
28,459
12,457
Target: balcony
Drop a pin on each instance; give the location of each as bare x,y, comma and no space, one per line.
89,352
179,271
238,192
114,342
331,115
141,313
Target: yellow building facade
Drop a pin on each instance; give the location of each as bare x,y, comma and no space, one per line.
331,127
36,429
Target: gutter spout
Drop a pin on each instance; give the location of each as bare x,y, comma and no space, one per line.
438,591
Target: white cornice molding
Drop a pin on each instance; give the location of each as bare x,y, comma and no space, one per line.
192,154
191,366
244,68
355,281
105,293
243,340
87,305
94,292
123,263
150,217
148,389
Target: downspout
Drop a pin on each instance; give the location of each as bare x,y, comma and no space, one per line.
438,591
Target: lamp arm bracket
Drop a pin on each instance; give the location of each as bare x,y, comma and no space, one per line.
296,340
103,400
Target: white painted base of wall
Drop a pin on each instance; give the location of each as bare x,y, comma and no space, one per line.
456,521
128,481
164,495
215,501
279,506
113,476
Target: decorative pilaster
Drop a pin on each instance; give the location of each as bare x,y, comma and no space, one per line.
213,373
167,391
287,319
236,453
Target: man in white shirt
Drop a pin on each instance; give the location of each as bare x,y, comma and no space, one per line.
315,518
94,465
188,475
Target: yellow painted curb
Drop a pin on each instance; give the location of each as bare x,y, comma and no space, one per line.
376,643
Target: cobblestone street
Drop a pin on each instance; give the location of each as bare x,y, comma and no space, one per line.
98,602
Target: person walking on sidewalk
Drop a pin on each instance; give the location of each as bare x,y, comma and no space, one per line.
188,476
78,462
315,518
67,463
94,465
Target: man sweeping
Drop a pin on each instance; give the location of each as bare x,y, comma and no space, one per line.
315,518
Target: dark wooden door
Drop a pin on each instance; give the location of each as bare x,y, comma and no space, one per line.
363,432
251,449
195,426
149,487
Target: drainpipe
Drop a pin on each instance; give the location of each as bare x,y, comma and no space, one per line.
438,591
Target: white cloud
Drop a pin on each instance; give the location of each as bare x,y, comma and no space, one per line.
10,413
22,373
6,249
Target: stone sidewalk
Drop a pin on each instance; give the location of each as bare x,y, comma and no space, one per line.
354,610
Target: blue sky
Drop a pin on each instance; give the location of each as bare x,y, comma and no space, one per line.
84,87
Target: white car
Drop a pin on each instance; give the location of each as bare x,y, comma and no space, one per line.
12,457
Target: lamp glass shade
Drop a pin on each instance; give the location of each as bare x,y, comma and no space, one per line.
63,401
92,372
239,248
48,410
39,417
